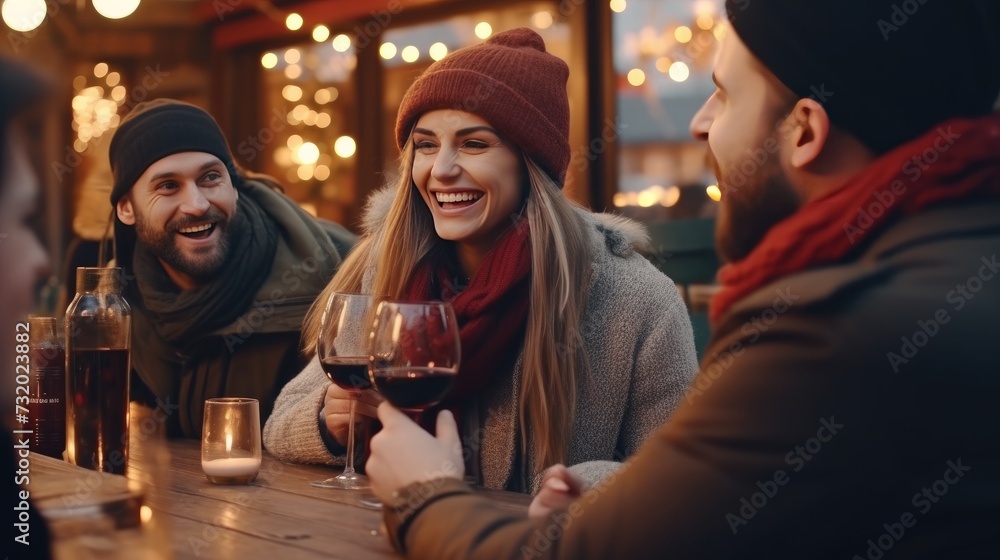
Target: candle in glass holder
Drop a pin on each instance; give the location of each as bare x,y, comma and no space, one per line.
234,470
230,445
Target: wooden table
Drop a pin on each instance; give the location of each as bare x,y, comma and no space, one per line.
278,516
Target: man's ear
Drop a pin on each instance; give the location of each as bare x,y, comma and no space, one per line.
125,212
809,130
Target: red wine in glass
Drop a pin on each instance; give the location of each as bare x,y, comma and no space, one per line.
413,388
349,373
415,350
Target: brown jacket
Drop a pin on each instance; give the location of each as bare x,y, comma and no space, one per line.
849,411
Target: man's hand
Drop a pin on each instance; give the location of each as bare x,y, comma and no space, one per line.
559,488
403,453
337,410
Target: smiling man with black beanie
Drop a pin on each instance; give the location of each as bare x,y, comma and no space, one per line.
222,265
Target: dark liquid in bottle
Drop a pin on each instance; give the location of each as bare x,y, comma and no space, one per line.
350,374
98,408
47,406
413,388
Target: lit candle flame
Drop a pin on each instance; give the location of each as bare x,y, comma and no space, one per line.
229,442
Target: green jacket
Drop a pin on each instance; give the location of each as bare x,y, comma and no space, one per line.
256,354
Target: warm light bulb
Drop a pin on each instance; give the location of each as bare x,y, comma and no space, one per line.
293,22
291,93
484,30
345,147
321,33
387,51
636,77
542,20
679,71
308,153
670,196
438,51
618,6
713,192
269,60
115,9
341,43
410,53
682,34
23,15
649,197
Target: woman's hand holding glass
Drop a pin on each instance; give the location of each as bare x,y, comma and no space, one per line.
337,410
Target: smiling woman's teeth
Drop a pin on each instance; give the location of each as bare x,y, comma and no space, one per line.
460,197
196,229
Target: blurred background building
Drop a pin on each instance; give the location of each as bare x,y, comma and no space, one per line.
308,91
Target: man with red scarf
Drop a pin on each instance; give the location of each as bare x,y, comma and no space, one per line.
847,406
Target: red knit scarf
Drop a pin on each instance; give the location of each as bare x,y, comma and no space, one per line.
491,311
957,159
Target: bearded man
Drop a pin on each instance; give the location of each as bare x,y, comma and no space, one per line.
220,265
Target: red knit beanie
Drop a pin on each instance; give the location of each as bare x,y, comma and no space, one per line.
512,83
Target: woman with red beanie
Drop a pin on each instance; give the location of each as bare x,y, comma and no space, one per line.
574,347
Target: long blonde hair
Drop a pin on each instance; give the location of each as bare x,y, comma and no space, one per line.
553,358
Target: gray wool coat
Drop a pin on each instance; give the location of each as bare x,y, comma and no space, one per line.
638,341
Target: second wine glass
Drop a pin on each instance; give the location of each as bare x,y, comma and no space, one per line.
343,354
415,352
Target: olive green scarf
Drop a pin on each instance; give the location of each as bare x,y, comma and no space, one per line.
275,238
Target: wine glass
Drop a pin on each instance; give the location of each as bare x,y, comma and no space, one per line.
414,353
343,354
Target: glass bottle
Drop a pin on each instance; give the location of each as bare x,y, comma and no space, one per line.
47,394
98,352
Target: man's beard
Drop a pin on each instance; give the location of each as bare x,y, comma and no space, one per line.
162,244
748,210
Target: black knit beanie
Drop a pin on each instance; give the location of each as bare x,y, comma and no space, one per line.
884,70
156,129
